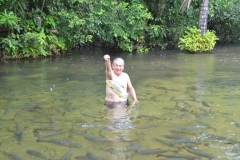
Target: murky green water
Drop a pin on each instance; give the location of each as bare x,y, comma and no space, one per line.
56,107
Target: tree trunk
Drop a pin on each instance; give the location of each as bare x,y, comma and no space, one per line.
203,16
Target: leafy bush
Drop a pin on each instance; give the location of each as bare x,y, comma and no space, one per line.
8,19
194,41
103,23
28,38
11,45
224,19
31,44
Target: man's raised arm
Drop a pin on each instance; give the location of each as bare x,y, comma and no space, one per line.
108,67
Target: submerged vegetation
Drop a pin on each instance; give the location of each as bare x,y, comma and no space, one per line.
44,28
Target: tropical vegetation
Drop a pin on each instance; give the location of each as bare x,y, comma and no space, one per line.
194,41
33,28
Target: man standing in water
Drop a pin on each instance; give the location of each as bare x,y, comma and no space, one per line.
116,73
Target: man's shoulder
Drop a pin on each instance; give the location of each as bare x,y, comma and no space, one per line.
125,74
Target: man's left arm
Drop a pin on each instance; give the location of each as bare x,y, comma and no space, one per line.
132,90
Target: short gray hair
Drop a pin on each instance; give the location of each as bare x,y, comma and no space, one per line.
118,59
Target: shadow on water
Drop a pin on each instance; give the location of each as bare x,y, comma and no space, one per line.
188,109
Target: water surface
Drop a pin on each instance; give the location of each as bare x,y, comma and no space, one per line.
56,106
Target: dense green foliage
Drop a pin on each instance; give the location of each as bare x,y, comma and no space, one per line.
194,41
31,28
225,20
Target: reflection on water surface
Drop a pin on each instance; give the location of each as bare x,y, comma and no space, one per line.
188,109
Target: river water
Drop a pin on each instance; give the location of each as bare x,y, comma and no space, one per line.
188,104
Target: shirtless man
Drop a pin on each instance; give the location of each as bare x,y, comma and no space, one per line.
116,73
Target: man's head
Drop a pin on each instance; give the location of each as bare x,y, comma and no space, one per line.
118,66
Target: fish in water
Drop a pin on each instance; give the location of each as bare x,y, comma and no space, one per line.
163,142
50,134
206,125
236,124
133,147
29,107
18,130
183,141
216,137
147,126
6,111
174,137
196,127
36,154
117,88
81,158
11,156
91,115
151,151
36,133
148,116
62,142
200,153
184,115
18,114
96,139
18,134
205,104
67,155
180,156
45,127
91,156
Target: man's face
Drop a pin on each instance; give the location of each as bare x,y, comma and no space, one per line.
118,67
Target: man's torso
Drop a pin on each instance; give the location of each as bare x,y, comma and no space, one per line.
110,95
